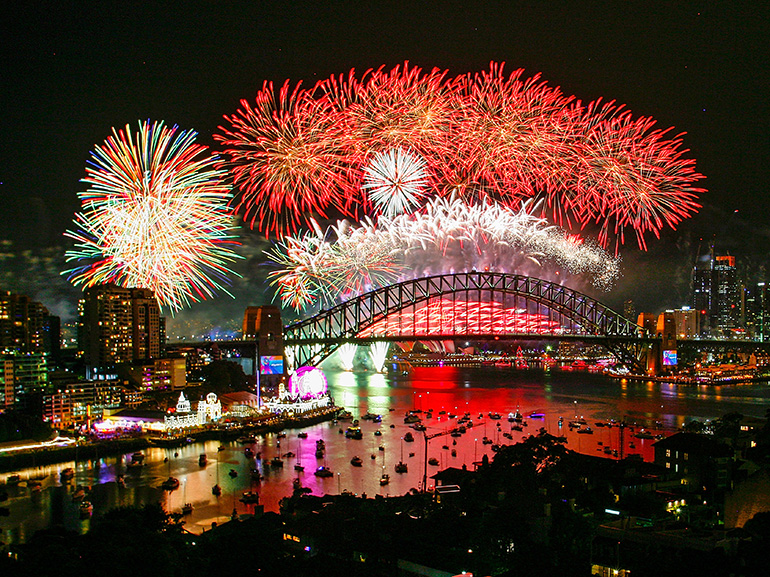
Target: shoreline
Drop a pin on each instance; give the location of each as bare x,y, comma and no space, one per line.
51,456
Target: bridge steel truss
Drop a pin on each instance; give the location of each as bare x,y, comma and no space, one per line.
315,338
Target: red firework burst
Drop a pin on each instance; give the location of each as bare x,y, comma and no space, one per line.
486,136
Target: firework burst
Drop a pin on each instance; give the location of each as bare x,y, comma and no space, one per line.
395,181
448,234
488,136
154,216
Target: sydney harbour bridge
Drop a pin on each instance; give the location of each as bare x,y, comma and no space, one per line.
460,307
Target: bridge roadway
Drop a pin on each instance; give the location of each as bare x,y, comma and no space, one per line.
480,306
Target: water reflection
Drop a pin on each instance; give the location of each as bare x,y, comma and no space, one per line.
499,390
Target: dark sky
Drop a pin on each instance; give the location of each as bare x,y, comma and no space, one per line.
73,70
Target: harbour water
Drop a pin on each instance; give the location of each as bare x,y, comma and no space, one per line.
658,407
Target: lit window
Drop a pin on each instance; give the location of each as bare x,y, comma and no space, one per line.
668,452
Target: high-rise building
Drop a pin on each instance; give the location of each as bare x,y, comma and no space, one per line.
715,293
23,379
118,325
687,321
25,325
264,326
757,311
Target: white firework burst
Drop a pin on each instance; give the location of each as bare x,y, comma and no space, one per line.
395,181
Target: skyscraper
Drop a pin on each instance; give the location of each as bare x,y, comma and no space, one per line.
117,325
715,293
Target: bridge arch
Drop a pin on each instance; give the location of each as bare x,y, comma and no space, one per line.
559,311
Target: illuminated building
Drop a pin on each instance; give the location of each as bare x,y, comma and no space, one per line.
687,322
23,378
26,326
264,326
118,325
78,403
757,311
715,293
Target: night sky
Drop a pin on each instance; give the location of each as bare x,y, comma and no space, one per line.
73,70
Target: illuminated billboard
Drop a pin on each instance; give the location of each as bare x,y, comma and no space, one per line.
272,365
669,358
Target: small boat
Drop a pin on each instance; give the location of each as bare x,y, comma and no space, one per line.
323,472
384,479
170,484
250,498
86,509
454,452
233,473
276,462
411,454
137,460
202,460
537,415
187,509
433,461
354,433
356,461
586,431
378,433
221,448
644,435
401,467
216,490
302,435
381,448
248,452
12,479
319,454
289,454
515,417
409,437
411,418
281,435
66,475
494,416
246,440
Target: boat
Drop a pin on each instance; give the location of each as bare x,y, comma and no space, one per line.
354,433
401,467
187,509
433,461
537,415
411,418
384,479
586,431
233,473
377,419
378,433
644,435
216,490
246,440
454,452
276,462
515,417
409,437
86,509
345,416
356,461
12,479
494,416
137,460
170,484
323,472
221,448
302,435
368,416
202,460
248,452
250,498
66,475
319,454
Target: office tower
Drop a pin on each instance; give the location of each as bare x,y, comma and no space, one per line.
757,311
264,326
715,293
23,380
23,324
117,325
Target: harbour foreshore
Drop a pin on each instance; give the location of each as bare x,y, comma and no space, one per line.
95,449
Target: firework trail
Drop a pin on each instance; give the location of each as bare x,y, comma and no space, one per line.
486,137
448,234
155,216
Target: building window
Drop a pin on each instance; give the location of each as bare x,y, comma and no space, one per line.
685,456
668,465
668,452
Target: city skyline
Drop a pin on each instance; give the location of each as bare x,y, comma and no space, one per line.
117,65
